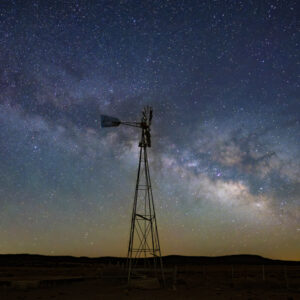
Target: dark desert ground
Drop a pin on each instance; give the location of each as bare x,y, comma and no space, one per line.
227,277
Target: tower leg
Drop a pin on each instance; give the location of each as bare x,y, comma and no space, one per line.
132,227
143,238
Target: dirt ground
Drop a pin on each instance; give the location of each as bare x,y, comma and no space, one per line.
102,282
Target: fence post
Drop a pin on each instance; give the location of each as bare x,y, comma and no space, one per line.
174,277
286,277
263,272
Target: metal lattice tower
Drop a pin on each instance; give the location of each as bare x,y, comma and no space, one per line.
144,253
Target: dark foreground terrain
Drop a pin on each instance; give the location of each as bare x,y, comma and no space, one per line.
230,277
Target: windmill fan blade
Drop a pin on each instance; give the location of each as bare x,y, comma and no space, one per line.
107,121
144,116
148,137
150,116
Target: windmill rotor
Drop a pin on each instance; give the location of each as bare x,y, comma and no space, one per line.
145,125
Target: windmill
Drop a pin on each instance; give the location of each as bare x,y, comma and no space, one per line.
144,248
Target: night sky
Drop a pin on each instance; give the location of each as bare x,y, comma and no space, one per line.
223,80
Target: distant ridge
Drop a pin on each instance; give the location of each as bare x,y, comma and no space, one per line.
45,260
246,259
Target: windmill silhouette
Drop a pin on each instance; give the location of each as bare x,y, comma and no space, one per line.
144,253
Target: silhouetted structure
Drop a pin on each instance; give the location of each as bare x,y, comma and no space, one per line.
144,248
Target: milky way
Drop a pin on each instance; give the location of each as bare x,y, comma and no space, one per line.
223,82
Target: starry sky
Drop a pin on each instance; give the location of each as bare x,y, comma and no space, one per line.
223,80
